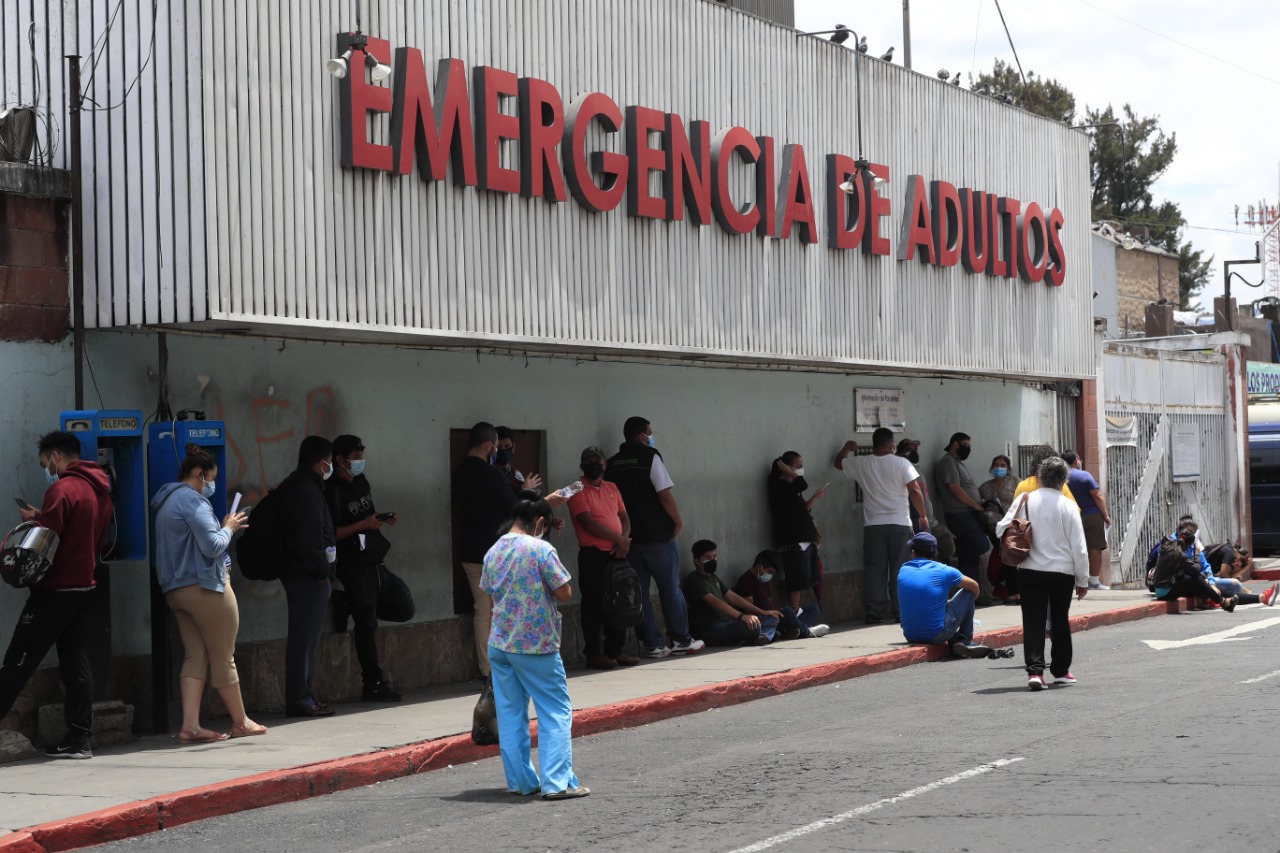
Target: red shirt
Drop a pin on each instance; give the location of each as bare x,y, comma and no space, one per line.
604,504
78,509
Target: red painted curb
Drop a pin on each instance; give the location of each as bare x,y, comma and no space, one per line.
326,777
1266,574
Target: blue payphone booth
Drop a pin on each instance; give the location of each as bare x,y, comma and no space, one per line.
113,437
166,448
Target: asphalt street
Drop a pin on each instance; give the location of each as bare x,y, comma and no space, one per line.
1166,749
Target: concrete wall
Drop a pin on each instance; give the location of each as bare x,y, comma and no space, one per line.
1143,277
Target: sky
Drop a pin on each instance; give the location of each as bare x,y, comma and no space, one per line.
1206,70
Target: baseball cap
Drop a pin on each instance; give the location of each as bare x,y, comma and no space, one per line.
345,445
924,544
591,453
907,442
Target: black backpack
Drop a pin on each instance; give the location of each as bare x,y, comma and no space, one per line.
621,606
1172,563
260,549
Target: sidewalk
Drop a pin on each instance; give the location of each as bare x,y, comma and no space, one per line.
154,782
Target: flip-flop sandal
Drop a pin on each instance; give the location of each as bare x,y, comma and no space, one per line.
245,731
201,736
568,793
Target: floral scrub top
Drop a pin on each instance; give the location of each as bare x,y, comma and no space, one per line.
520,573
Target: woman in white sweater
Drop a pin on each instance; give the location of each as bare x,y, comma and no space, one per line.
1058,562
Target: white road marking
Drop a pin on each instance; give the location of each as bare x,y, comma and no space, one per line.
1226,636
871,807
1260,678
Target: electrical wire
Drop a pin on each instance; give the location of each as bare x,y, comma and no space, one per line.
151,50
89,362
1011,47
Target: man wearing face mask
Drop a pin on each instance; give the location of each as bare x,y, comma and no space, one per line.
77,508
962,507
909,449
793,623
524,486
361,551
604,533
794,530
720,616
647,490
310,550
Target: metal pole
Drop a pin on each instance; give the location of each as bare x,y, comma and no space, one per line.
906,34
77,225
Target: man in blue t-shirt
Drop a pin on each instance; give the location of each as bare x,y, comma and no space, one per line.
937,601
1093,515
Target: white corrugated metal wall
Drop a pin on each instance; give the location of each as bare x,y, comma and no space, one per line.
285,237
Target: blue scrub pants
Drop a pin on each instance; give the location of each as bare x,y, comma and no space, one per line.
516,680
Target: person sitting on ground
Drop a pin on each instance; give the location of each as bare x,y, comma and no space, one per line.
717,614
937,601
1220,566
1229,561
1180,571
795,623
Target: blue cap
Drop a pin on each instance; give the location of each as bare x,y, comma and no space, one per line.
924,544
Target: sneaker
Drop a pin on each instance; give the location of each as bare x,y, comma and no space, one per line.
823,630
381,692
794,633
1269,597
626,660
659,652
1097,584
687,647
568,793
1035,683
1064,679
960,650
1229,603
873,619
761,640
601,662
71,747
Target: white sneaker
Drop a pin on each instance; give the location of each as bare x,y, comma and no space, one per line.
679,648
1098,585
819,630
659,652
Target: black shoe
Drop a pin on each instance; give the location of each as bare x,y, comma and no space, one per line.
314,711
71,747
761,640
793,634
381,692
960,650
873,619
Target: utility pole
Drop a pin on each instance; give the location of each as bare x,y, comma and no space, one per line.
906,34
77,224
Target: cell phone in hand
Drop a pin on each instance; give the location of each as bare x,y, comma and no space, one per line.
22,504
385,516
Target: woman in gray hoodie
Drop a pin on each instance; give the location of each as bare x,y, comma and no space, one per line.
191,566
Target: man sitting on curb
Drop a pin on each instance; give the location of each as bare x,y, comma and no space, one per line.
753,585
937,601
719,616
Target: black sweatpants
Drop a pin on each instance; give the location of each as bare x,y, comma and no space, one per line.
360,595
51,618
591,580
1041,590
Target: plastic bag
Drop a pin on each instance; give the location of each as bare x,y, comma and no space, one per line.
484,718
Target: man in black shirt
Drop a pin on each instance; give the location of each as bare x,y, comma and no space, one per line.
794,531
361,550
483,503
306,530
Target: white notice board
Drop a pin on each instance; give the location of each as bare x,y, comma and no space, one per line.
879,407
1186,452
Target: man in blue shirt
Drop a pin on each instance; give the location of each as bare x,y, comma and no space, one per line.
937,601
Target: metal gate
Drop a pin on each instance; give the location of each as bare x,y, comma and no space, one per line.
1151,397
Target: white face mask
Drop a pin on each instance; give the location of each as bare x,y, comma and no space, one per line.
207,488
328,472
800,472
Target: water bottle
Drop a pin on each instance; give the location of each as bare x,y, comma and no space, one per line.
570,490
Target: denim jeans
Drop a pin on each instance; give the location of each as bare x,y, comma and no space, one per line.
957,625
884,549
660,561
734,632
808,615
971,542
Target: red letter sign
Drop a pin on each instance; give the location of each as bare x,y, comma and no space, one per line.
1057,271
846,212
641,121
688,172
873,242
728,142
541,126
611,165
358,98
1033,244
796,204
917,227
490,86
946,222
432,131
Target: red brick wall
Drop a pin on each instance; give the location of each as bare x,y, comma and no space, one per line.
1087,426
35,285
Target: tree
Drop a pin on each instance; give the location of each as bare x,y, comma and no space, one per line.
1047,98
1125,160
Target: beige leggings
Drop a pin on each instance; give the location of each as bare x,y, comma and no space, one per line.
208,622
484,615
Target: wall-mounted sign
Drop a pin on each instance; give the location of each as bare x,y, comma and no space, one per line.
879,407
1186,452
1122,432
1263,379
453,126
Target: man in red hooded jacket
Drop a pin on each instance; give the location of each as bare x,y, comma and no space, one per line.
77,507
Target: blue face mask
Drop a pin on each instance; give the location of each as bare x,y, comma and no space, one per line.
208,488
357,467
999,472
765,578
649,441
49,475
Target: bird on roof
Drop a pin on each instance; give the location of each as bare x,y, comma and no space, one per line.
955,81
943,74
862,44
841,35
888,56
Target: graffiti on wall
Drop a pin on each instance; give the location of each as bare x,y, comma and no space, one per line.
261,447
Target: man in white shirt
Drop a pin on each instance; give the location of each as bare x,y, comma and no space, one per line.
889,489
